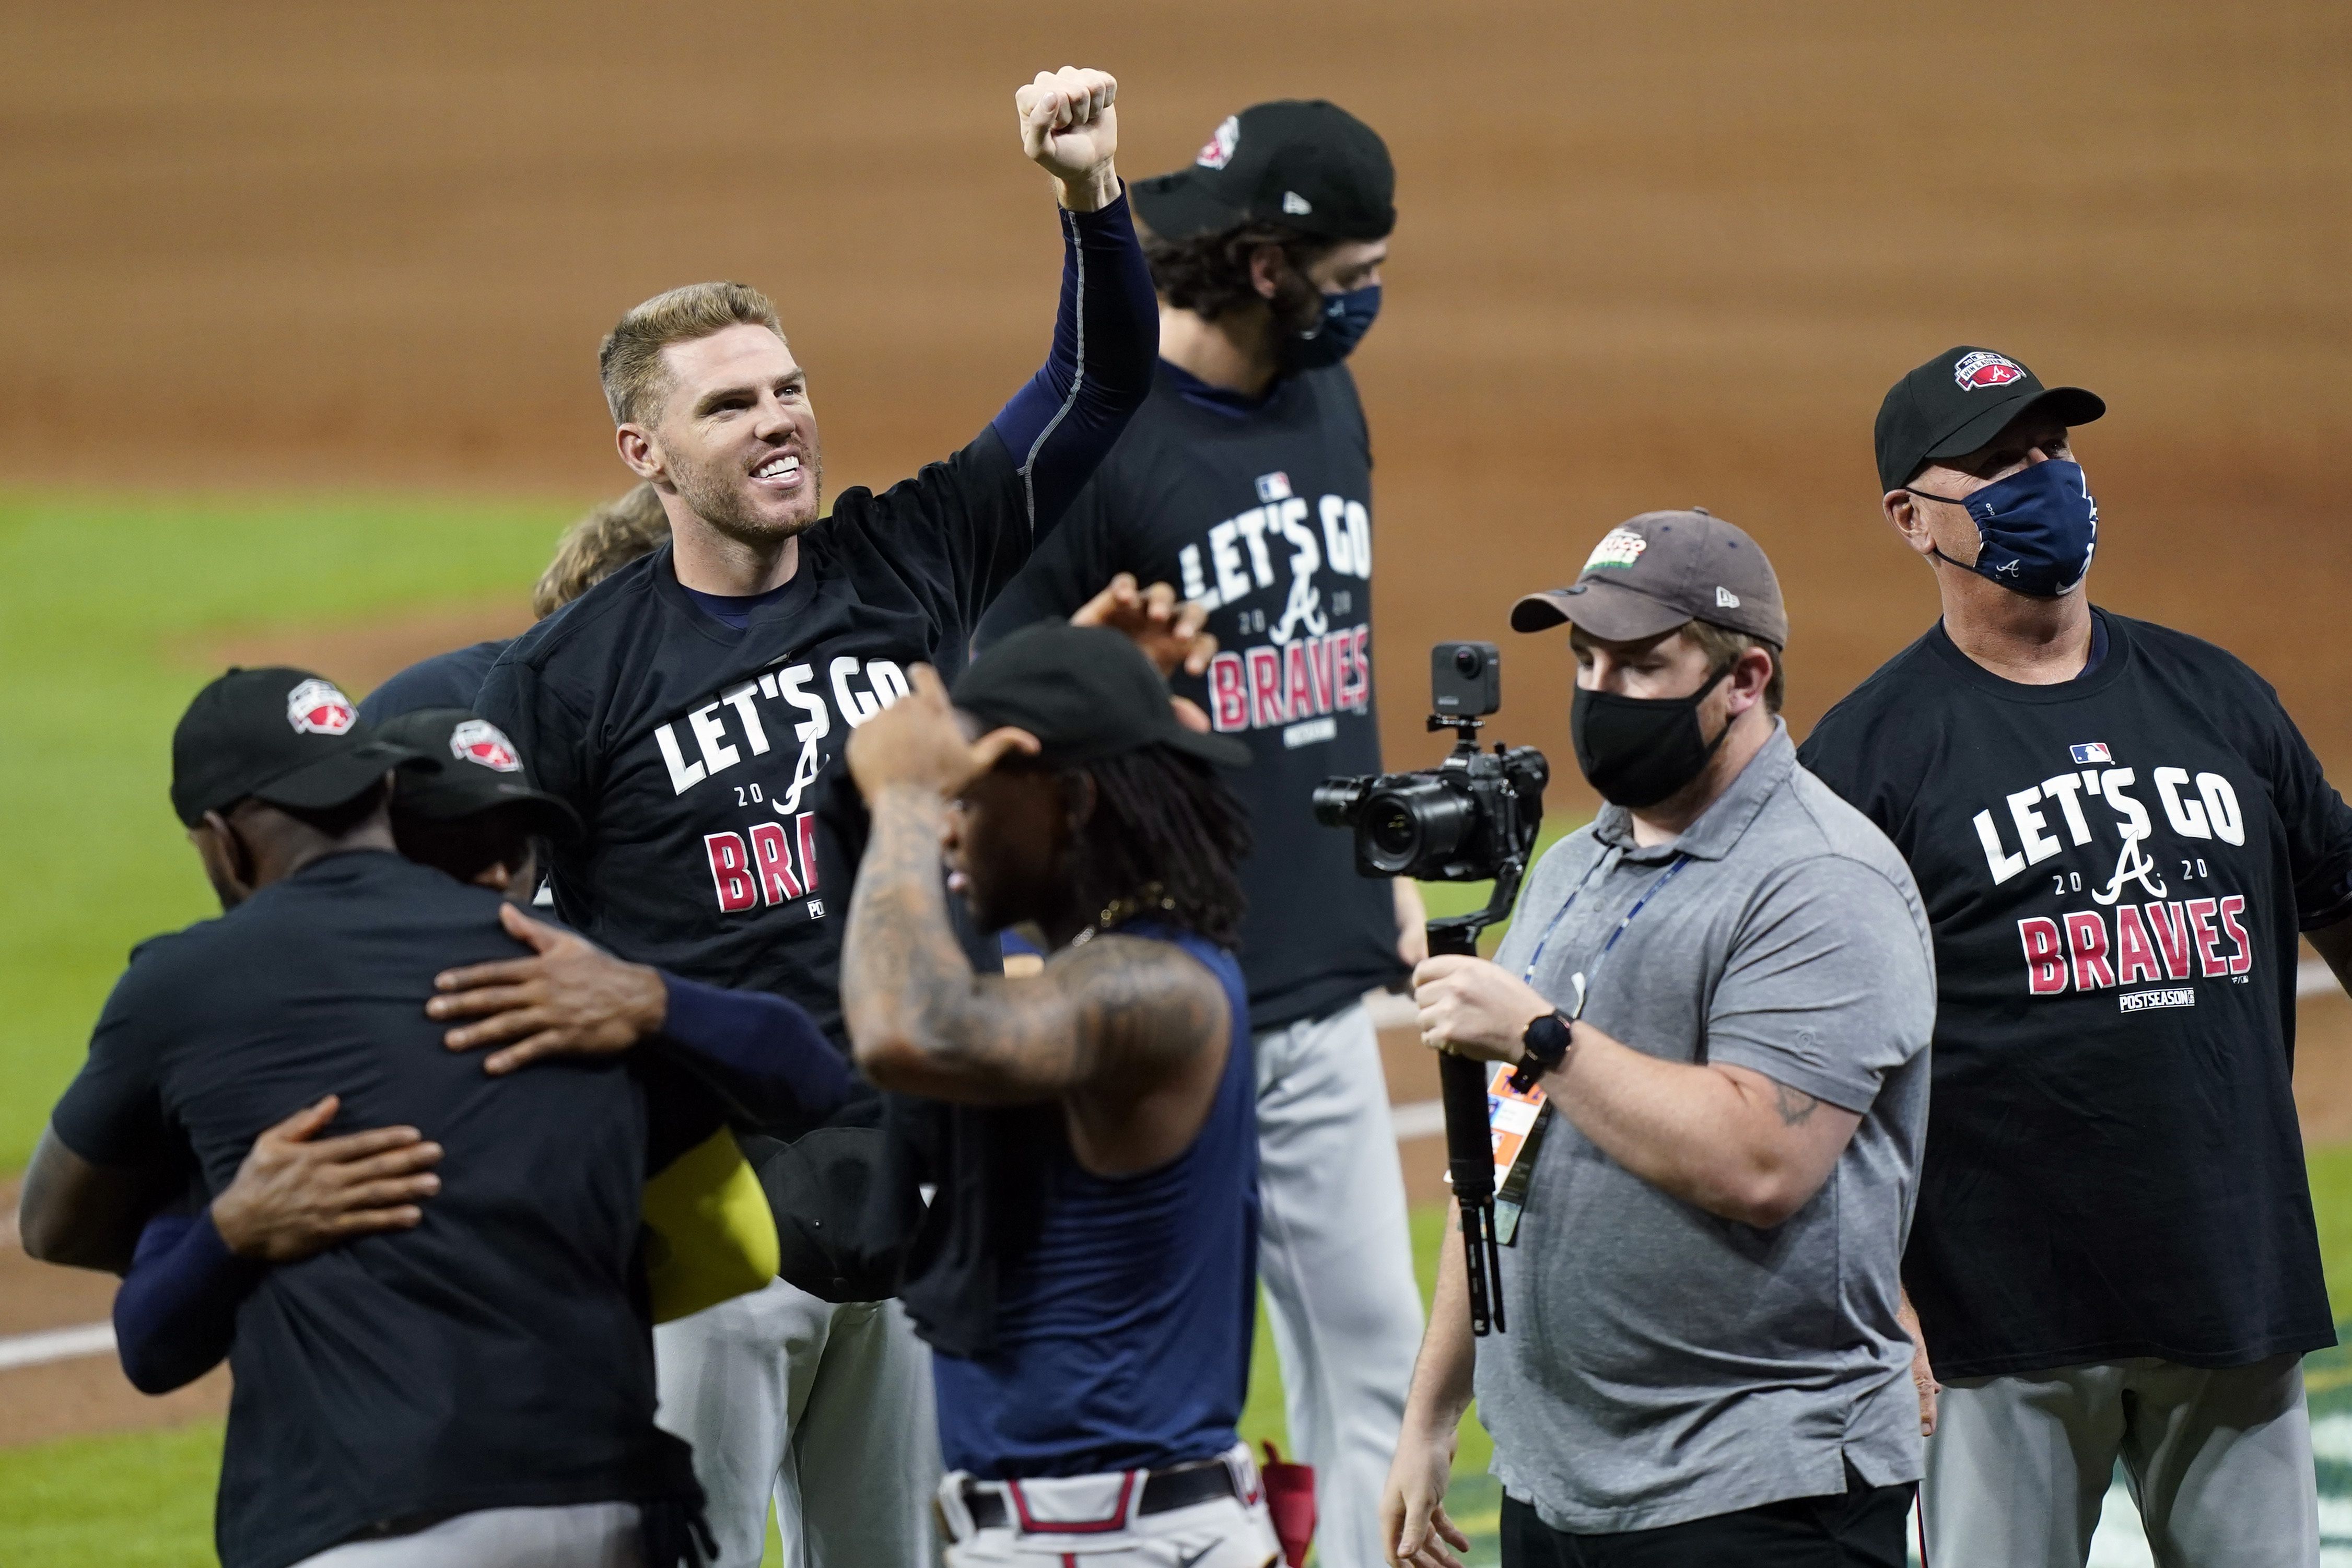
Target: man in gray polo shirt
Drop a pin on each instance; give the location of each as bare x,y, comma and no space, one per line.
1725,986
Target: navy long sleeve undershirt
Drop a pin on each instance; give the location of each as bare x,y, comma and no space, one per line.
1105,342
764,1056
177,1312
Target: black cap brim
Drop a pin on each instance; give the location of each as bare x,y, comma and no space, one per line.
1177,206
452,794
2073,406
346,775
1607,610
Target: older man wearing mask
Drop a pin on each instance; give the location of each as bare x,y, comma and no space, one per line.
2118,833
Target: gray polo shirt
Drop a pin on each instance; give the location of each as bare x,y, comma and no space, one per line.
1662,1364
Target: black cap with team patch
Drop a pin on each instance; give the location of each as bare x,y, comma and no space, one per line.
1958,401
480,770
1085,693
1307,164
283,736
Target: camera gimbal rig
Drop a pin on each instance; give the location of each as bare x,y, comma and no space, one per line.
1462,1084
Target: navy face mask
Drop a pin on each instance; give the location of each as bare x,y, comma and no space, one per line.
2039,527
1346,319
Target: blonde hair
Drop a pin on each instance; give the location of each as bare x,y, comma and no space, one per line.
613,534
629,362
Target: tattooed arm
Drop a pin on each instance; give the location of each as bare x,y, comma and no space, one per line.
1727,1139
1129,1034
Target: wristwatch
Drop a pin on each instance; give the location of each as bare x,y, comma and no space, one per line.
1546,1042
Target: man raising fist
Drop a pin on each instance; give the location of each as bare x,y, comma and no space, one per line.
690,708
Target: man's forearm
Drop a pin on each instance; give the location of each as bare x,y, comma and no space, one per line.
1742,1148
763,1054
900,963
81,1215
175,1316
1098,371
2334,945
1442,1373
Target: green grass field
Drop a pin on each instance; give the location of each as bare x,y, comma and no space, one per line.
145,1500
104,608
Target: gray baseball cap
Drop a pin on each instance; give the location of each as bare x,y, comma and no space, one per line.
1650,573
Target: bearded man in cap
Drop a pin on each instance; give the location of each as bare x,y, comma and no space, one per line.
1246,478
2119,832
1723,988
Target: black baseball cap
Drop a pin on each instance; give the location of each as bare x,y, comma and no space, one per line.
1085,693
1302,163
480,770
280,735
1958,401
1651,573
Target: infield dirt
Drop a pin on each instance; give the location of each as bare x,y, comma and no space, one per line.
1655,256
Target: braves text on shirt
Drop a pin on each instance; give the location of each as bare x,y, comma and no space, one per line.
2108,938
1262,512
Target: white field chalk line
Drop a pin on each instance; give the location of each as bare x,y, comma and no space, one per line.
56,1345
1416,1119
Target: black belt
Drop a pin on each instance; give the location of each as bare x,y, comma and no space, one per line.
1182,1486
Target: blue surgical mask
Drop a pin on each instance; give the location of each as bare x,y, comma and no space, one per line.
2039,527
1346,319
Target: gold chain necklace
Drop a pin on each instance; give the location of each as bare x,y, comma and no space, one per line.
1119,911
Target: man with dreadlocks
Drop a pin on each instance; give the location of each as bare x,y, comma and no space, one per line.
1091,1364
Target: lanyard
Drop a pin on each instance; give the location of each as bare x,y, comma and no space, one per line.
1673,871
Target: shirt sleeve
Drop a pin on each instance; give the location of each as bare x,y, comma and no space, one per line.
960,529
112,1113
1074,564
763,1055
1099,370
2318,824
176,1314
515,697
1829,986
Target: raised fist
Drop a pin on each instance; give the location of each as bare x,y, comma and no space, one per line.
1068,127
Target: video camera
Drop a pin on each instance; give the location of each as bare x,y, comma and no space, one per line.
1462,820
1472,817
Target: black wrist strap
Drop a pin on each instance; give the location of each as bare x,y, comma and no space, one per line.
1546,1043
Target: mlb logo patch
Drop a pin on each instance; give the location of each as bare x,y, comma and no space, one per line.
1274,486
1218,151
2093,752
1981,368
315,708
480,741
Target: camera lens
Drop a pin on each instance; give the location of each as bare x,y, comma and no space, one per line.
1468,662
1415,824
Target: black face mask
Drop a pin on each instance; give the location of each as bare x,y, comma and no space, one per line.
1637,751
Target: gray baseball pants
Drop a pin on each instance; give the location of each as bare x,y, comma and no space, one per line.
1336,1260
828,1409
2220,1462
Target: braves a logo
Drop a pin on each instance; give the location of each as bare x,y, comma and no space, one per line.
315,708
479,740
1218,151
1981,368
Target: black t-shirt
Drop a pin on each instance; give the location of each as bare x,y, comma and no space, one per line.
492,1357
2116,868
1265,515
696,751
446,680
